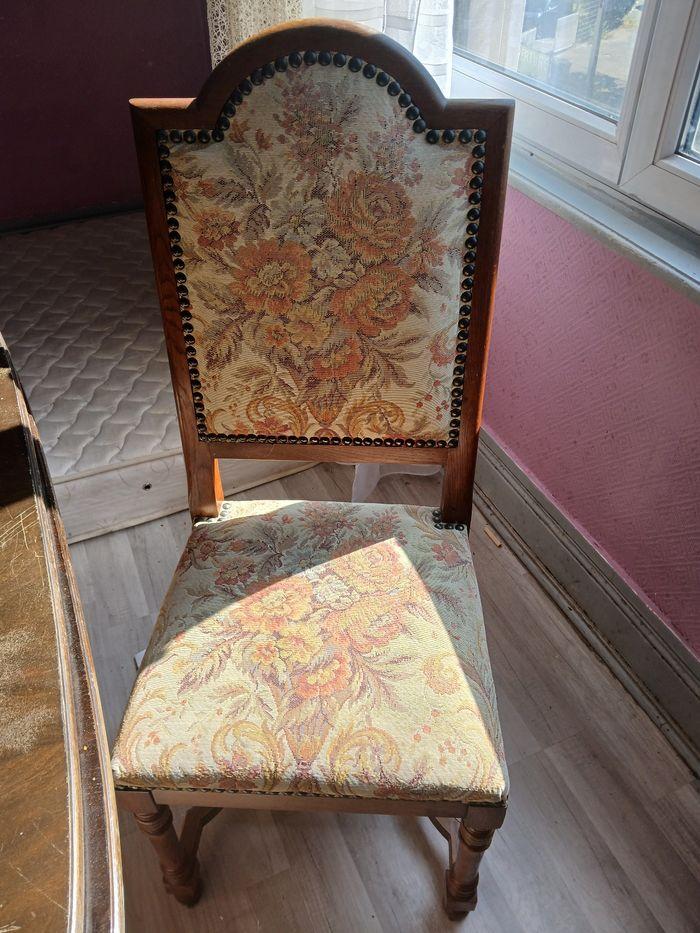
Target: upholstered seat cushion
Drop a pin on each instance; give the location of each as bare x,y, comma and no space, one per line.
320,648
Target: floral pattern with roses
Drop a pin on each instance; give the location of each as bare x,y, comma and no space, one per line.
322,243
323,648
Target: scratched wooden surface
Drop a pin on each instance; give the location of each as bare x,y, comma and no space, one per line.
603,828
34,866
54,873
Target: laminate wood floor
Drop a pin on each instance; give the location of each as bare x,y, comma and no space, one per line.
603,827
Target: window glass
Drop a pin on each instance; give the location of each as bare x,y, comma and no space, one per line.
690,137
577,50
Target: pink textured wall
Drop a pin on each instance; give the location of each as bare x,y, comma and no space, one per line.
593,387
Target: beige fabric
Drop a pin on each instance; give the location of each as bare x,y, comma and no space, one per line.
322,243
323,648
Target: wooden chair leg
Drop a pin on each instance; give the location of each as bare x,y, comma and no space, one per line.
462,877
195,820
178,863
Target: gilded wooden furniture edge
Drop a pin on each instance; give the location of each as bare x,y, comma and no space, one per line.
72,737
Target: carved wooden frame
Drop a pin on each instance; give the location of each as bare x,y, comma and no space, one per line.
493,117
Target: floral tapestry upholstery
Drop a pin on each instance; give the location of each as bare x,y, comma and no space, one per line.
319,248
320,648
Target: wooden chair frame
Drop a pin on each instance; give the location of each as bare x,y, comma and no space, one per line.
468,827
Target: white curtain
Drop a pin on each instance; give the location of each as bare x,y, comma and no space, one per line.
422,26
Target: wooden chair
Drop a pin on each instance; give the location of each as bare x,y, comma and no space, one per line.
325,231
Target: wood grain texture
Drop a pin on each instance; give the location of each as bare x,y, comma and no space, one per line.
603,816
59,845
495,117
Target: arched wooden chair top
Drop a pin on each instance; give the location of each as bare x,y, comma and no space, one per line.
325,228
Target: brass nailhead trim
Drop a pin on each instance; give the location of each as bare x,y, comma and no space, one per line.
450,526
203,137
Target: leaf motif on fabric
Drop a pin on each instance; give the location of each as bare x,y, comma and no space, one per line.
206,665
258,220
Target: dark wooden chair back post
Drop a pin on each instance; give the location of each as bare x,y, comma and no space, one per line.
490,121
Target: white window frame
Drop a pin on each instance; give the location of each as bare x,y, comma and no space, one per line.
654,171
635,157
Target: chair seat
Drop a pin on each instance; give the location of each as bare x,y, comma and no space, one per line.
323,648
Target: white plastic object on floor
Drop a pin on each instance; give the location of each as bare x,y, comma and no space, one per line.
367,475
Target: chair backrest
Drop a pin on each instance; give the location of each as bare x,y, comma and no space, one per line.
325,230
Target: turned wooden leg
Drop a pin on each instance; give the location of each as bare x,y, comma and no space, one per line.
462,877
178,863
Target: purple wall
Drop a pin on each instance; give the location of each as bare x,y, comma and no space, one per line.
68,71
593,387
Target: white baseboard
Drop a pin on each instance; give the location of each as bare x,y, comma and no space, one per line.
644,654
107,500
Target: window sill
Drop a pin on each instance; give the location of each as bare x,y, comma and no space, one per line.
670,250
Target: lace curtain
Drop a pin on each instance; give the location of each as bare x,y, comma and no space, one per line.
423,26
233,21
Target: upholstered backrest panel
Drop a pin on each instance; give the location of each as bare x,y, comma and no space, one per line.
319,248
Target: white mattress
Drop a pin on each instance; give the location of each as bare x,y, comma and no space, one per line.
78,310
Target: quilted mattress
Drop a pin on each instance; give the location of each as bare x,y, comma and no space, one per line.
79,313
